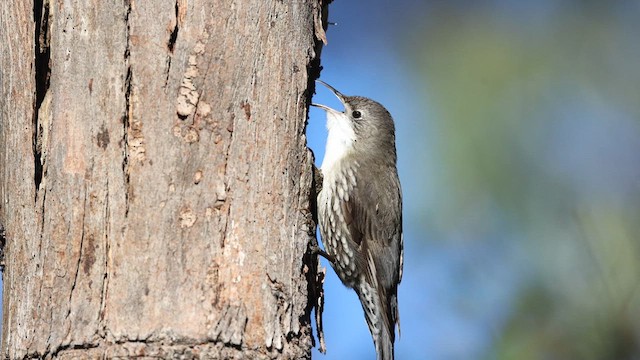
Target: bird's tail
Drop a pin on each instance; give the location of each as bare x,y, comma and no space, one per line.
380,311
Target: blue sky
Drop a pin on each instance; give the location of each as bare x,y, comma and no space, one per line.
465,273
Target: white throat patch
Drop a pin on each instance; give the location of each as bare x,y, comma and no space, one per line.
340,140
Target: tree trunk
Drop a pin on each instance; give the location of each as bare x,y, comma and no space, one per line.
155,185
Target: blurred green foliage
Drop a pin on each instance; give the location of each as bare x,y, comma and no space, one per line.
539,126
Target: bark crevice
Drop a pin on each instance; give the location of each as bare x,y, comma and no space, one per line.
77,265
174,33
42,73
101,331
126,117
173,37
60,350
225,177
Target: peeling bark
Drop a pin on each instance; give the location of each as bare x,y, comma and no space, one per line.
164,145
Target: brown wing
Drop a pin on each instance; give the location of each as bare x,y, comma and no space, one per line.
374,220
373,214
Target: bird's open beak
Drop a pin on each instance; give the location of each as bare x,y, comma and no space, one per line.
335,92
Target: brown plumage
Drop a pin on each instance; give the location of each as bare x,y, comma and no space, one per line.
360,211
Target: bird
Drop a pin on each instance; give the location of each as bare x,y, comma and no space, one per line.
360,211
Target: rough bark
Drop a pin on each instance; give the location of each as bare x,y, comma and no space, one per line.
155,183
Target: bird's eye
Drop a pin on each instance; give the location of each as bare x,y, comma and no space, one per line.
356,114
